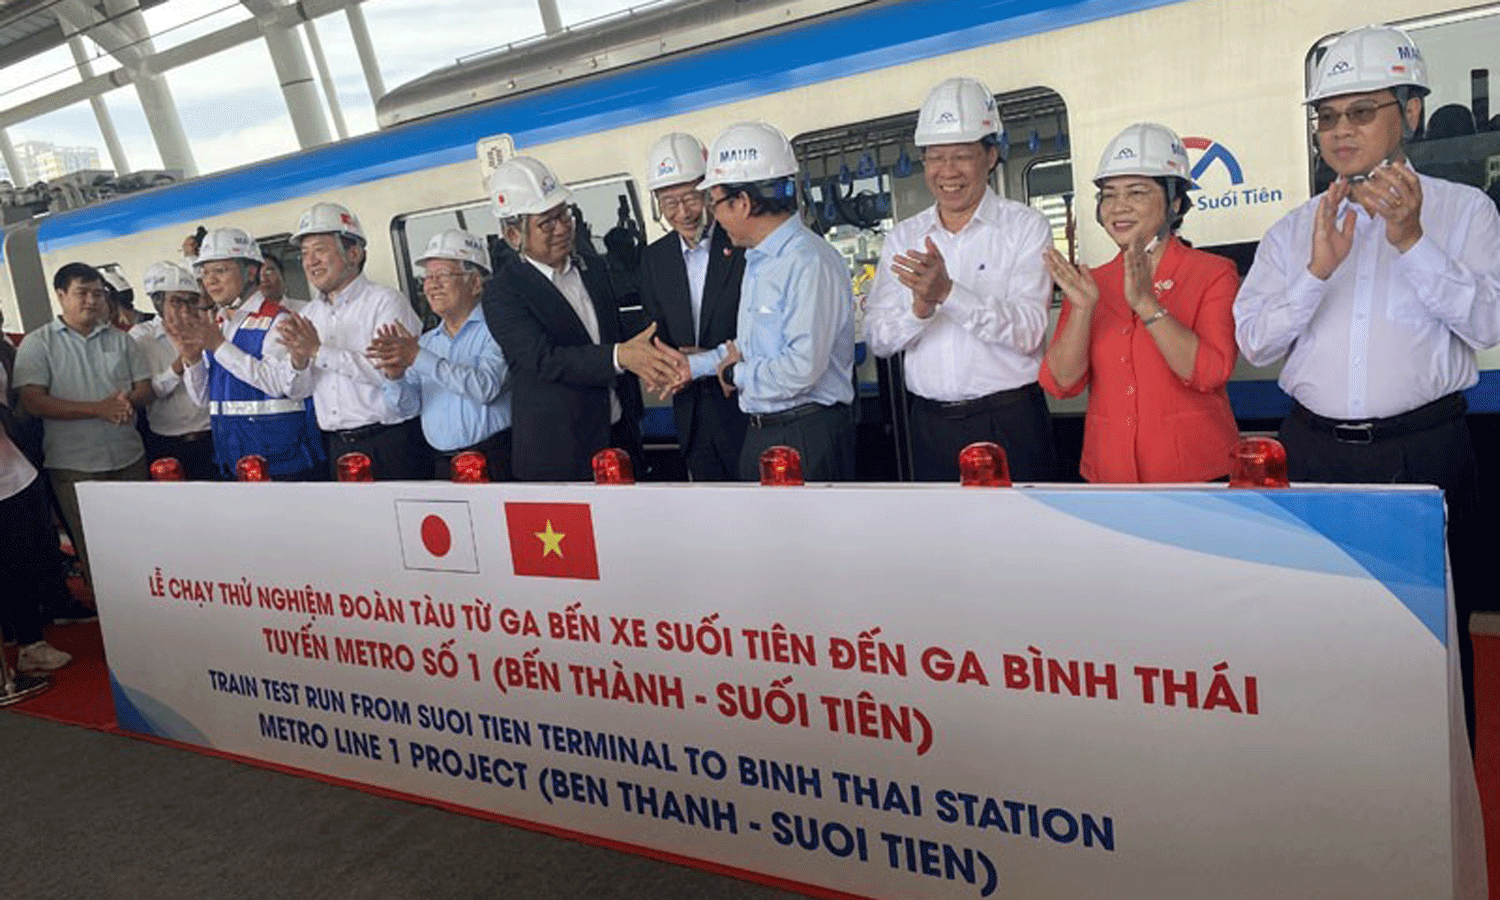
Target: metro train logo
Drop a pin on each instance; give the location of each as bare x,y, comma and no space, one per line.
1213,152
1216,162
667,166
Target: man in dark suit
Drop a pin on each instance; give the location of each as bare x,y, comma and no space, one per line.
690,286
558,323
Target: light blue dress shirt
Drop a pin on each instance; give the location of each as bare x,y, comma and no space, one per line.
459,383
796,325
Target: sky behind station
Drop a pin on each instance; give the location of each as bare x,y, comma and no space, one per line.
231,106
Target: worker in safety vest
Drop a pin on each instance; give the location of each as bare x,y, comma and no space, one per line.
258,390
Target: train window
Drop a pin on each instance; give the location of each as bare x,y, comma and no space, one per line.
280,246
1460,138
1049,190
608,216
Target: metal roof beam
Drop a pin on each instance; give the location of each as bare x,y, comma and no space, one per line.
171,58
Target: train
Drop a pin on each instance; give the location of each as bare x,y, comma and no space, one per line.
843,79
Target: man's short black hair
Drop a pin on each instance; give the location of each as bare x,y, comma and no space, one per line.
75,271
767,198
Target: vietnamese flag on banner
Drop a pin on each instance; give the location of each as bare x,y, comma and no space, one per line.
552,540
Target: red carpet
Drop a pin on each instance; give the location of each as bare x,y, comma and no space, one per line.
80,691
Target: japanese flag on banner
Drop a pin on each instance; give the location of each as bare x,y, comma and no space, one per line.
436,535
553,540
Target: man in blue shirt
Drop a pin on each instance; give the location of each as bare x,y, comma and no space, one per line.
793,362
455,373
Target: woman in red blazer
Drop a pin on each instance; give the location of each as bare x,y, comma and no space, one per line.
1151,332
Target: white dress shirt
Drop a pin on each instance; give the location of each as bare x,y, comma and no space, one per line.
989,334
696,260
174,411
347,390
570,284
1388,331
271,373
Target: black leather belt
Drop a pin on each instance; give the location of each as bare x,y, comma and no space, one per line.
350,435
958,409
189,438
766,420
1367,431
485,446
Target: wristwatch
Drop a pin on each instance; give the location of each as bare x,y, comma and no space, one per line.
1160,313
728,375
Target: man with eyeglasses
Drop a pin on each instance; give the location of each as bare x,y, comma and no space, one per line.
962,292
1377,294
558,321
792,362
84,379
455,374
690,286
257,388
334,330
177,424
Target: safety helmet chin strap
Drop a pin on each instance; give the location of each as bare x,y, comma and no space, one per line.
1403,94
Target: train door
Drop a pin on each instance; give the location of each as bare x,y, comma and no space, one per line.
858,180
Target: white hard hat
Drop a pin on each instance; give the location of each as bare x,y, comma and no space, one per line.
166,277
228,243
327,218
676,159
957,111
1146,149
115,281
525,186
1371,58
457,245
747,153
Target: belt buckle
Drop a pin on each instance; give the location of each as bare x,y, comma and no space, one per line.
1359,433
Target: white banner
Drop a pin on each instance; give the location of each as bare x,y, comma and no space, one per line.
887,692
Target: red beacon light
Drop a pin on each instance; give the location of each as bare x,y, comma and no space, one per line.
166,469
1258,462
251,468
983,464
612,466
781,467
355,467
469,467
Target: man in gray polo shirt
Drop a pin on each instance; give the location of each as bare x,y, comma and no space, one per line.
84,379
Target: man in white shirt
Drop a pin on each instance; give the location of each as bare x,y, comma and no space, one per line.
334,330
962,292
1376,294
177,422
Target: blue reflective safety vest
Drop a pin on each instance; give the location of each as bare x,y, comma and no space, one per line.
246,420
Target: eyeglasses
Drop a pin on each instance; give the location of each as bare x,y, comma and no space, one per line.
670,205
554,222
724,199
1358,114
216,270
939,158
